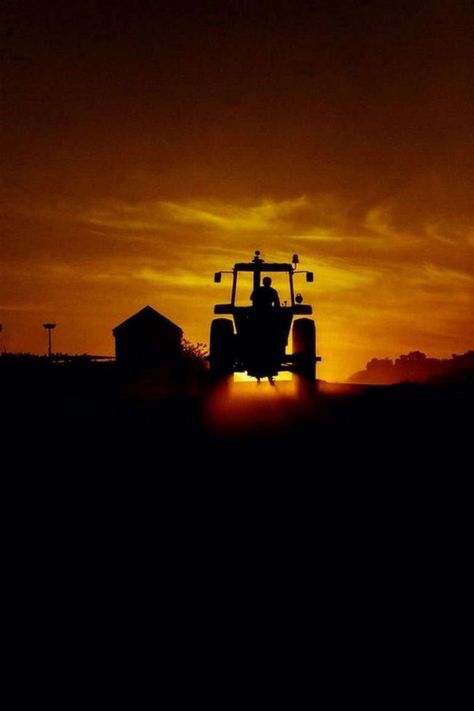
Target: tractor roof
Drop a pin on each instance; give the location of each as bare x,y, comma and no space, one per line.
262,267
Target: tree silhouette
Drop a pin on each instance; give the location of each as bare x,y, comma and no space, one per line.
414,366
199,351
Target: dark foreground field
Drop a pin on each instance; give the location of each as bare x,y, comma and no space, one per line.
239,538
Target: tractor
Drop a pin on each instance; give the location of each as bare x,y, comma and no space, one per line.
255,339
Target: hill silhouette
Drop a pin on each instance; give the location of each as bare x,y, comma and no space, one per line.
416,367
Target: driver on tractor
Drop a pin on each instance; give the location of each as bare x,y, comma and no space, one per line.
265,297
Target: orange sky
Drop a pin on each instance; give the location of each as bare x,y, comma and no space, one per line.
147,144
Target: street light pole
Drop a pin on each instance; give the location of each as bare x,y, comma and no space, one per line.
49,327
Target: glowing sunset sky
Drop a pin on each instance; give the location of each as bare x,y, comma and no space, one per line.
147,144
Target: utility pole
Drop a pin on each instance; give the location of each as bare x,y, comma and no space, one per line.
49,327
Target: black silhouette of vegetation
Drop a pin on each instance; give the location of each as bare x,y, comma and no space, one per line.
198,351
417,367
28,377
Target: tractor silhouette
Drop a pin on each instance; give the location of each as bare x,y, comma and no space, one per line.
258,343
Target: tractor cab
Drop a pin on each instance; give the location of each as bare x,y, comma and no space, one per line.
247,275
256,338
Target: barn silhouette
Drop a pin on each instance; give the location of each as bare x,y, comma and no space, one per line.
146,340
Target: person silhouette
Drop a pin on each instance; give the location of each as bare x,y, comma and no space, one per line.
265,297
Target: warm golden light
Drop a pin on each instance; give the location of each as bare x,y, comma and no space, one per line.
146,149
244,378
251,407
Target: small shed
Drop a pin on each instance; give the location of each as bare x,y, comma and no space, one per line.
146,340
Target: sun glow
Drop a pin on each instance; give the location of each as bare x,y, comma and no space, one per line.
284,376
252,407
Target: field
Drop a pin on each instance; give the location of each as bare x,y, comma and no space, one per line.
241,528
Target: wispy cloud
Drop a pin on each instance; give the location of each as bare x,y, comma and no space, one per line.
440,276
173,278
216,216
378,220
254,218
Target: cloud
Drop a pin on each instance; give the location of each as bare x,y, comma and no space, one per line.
378,220
440,276
254,218
173,278
335,278
213,215
176,246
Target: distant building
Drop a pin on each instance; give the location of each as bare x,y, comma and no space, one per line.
146,340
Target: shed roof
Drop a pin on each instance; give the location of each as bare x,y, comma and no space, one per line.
147,315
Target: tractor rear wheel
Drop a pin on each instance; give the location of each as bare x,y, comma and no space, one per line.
221,357
304,349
